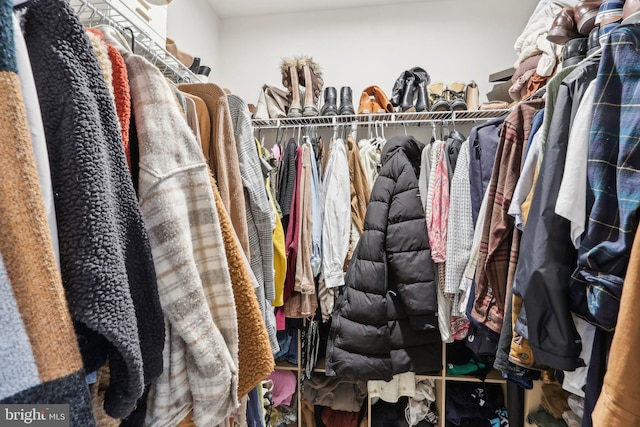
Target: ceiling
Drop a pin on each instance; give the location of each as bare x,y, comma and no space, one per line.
229,9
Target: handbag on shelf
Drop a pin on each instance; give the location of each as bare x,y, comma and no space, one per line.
272,103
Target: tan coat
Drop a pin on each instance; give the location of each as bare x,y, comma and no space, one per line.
222,155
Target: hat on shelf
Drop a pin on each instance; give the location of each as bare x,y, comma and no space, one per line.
574,51
609,17
180,55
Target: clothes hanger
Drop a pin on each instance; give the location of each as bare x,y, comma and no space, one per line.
133,41
354,130
405,128
433,132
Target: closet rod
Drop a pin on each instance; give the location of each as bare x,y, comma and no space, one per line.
388,119
97,12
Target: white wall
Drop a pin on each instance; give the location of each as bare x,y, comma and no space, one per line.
453,40
195,27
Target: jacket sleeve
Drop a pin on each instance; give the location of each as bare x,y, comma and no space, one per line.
410,269
337,217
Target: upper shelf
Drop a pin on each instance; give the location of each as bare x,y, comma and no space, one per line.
386,118
97,12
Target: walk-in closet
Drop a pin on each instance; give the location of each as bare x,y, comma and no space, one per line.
319,214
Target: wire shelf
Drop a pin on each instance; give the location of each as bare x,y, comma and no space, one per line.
97,12
388,119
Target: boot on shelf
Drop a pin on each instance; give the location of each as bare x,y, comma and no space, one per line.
406,102
346,101
290,81
422,81
310,76
330,107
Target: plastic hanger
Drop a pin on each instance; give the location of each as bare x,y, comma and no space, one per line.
433,132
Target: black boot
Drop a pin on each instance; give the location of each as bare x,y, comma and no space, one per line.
422,81
346,101
330,107
398,86
407,93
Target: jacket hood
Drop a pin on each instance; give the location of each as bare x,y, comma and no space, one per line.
412,149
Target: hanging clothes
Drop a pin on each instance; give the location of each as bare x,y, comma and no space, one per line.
255,358
303,301
617,404
612,175
385,321
544,320
286,181
112,296
256,202
201,343
483,143
279,251
360,193
460,223
497,254
370,158
337,215
43,341
223,155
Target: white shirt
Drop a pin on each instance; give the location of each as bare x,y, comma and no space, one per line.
36,129
572,196
336,223
525,182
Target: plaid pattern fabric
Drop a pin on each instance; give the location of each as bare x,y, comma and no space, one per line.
255,193
613,171
495,246
460,225
201,343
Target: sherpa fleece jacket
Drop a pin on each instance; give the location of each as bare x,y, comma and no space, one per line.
36,329
105,257
177,202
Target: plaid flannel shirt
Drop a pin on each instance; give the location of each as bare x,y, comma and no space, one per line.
613,171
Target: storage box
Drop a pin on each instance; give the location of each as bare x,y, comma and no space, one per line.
502,76
500,92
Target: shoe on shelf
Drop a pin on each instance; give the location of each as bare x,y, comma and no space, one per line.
346,101
366,104
408,90
310,76
436,93
563,27
290,81
330,107
585,12
421,82
455,95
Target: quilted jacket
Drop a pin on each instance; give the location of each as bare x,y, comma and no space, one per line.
385,320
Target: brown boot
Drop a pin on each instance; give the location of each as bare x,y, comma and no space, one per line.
311,78
290,81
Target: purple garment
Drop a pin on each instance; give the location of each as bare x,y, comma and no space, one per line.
284,387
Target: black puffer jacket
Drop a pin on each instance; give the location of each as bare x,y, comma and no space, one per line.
385,321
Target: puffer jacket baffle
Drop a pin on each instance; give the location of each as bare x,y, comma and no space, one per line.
385,321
